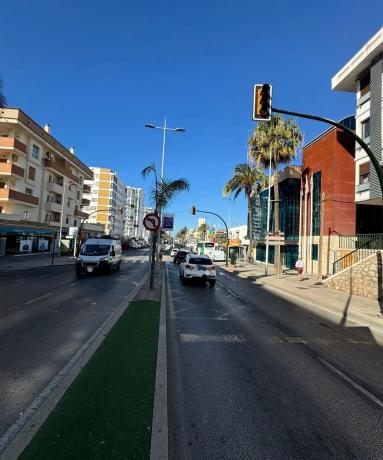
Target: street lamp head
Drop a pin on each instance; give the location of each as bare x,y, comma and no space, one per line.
149,126
180,130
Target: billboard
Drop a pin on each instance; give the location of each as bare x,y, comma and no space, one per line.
167,222
25,245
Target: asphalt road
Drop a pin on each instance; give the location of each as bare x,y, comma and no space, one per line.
46,315
255,376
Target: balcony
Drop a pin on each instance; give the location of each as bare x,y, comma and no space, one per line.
86,188
8,194
56,188
12,145
10,169
59,167
80,214
52,206
362,187
10,217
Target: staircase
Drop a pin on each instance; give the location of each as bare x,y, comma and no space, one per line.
362,246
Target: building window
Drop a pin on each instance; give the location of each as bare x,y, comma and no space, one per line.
28,191
67,220
31,173
75,223
78,194
35,152
316,203
366,129
364,173
2,184
314,252
364,84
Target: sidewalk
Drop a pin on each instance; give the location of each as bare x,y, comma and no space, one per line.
21,262
311,291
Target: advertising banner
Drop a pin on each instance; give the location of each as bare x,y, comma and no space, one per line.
167,222
25,245
43,245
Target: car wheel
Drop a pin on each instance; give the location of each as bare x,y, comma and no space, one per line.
118,266
183,279
212,283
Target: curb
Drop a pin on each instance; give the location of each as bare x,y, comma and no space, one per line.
159,447
20,434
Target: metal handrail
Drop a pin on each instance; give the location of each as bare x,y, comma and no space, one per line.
356,255
357,241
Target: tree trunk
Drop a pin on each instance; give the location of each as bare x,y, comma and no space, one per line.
277,250
250,228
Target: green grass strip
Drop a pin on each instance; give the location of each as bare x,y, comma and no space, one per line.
107,411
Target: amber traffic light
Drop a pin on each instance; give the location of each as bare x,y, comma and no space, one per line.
262,102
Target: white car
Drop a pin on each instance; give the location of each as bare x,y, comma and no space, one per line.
198,267
173,252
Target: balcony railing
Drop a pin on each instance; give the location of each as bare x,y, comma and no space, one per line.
10,169
57,167
80,214
8,194
10,143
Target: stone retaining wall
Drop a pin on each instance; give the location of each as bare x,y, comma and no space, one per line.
364,278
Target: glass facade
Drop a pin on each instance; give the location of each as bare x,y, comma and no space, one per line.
316,202
289,195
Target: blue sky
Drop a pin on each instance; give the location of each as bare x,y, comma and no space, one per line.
98,71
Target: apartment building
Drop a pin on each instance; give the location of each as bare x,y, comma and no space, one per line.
327,209
41,184
134,212
362,75
105,201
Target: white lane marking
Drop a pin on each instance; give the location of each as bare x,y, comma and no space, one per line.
352,383
38,298
73,284
192,338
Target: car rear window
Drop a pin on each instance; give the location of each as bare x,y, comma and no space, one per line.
200,261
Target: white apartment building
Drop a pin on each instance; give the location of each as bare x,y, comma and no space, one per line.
134,212
41,183
362,75
105,201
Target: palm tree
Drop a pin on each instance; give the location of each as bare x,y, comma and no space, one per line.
279,139
3,100
202,229
163,192
249,179
182,234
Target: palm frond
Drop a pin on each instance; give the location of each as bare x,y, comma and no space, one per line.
149,169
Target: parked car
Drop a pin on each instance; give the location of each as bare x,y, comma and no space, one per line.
99,255
173,252
180,256
198,267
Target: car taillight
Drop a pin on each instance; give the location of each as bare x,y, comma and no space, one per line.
190,267
211,268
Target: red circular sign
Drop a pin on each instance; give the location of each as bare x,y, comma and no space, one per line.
152,222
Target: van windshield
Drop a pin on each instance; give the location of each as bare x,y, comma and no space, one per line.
95,250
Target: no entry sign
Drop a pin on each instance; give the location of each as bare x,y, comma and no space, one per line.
152,222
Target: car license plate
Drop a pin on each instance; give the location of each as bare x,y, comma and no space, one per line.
201,267
89,269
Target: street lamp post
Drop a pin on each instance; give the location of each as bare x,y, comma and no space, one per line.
164,128
229,221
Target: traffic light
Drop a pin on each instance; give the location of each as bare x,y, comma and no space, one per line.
262,102
193,210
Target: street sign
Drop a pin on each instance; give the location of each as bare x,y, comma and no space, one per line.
167,222
152,222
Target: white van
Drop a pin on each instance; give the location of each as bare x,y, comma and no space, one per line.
99,255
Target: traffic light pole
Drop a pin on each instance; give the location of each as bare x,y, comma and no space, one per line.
224,223
358,139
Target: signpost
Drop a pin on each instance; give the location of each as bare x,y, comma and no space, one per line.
152,222
167,222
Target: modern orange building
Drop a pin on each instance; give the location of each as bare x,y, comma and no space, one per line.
327,210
